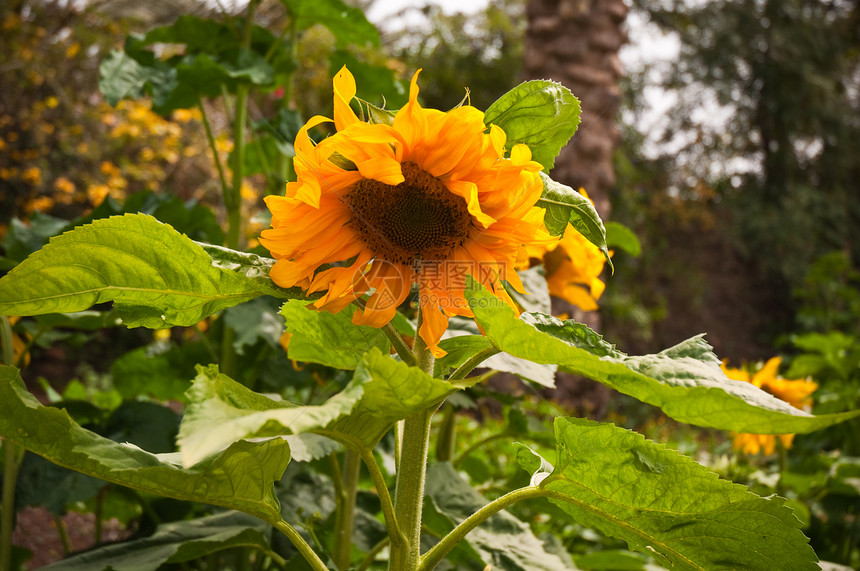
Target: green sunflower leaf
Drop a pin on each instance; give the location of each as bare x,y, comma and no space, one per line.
461,347
382,392
240,477
252,267
542,114
329,338
155,276
667,505
685,381
565,206
620,236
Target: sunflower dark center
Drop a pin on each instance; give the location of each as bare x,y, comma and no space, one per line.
416,219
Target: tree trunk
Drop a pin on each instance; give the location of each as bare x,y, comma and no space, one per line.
576,43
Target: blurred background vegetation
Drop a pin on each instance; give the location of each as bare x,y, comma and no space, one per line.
742,187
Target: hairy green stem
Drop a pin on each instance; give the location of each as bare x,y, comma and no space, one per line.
298,541
395,535
10,477
472,363
403,350
411,473
409,491
441,549
211,139
371,555
445,443
10,465
346,509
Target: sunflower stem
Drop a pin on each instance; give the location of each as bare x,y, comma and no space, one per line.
441,549
346,509
10,462
472,363
403,350
411,472
298,541
446,441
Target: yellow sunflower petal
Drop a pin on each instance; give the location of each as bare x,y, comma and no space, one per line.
469,191
344,91
384,169
769,371
433,325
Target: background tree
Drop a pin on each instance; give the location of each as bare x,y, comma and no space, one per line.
577,44
782,165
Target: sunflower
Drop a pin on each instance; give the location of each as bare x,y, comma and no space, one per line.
794,392
426,200
573,270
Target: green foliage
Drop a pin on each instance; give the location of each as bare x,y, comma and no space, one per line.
479,54
215,55
172,282
782,166
348,23
354,408
619,236
829,297
660,501
177,542
833,361
329,339
541,114
502,541
685,381
238,477
564,205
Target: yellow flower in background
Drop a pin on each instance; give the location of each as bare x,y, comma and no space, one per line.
20,346
428,199
573,269
797,393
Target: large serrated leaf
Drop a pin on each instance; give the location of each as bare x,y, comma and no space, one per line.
382,392
240,477
665,504
252,267
685,381
463,341
155,276
542,114
392,391
222,411
123,77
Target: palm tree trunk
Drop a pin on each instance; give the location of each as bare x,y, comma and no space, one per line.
576,42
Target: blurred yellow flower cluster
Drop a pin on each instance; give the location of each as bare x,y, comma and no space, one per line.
63,150
797,393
